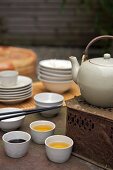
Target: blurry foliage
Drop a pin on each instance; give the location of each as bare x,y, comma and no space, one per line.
103,15
103,18
103,10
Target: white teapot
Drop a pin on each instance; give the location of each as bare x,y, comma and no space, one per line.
95,77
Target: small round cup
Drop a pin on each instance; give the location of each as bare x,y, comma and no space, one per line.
16,150
8,78
40,136
58,155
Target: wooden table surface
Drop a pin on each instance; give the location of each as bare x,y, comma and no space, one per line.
36,158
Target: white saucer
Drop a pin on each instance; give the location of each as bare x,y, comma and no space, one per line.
52,70
56,64
53,81
16,100
16,90
54,74
13,93
8,97
54,78
22,82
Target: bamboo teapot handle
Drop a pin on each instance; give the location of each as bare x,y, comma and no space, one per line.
85,55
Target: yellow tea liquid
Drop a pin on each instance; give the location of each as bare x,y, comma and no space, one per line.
61,145
42,128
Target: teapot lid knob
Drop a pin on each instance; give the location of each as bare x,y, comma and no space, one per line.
107,56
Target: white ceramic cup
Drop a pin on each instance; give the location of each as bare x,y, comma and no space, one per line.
39,136
8,78
16,150
58,155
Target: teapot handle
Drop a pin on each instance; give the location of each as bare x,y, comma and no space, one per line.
85,55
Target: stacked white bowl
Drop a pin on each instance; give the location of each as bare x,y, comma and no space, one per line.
55,74
46,100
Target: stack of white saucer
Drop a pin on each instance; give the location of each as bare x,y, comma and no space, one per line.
16,93
55,74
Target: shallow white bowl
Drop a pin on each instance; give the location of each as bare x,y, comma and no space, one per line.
48,99
53,78
58,155
55,71
38,136
56,86
12,123
16,150
59,74
56,64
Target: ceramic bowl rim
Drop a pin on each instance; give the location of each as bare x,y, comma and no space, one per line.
54,126
42,63
16,132
48,93
41,105
13,73
59,148
54,82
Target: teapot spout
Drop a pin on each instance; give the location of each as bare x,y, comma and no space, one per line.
75,67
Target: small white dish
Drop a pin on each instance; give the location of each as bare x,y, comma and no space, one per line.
12,123
53,78
66,75
56,64
15,101
48,99
22,81
8,78
56,86
40,136
15,90
19,96
16,150
58,155
55,71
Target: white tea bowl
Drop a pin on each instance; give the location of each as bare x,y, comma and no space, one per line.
59,154
12,123
16,150
40,136
56,86
48,99
8,78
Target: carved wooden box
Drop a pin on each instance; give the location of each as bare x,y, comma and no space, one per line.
91,128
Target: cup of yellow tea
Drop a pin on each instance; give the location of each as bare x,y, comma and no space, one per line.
58,148
40,130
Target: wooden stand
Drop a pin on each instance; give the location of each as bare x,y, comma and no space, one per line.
91,128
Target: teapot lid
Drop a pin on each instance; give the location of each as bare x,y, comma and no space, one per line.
105,61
